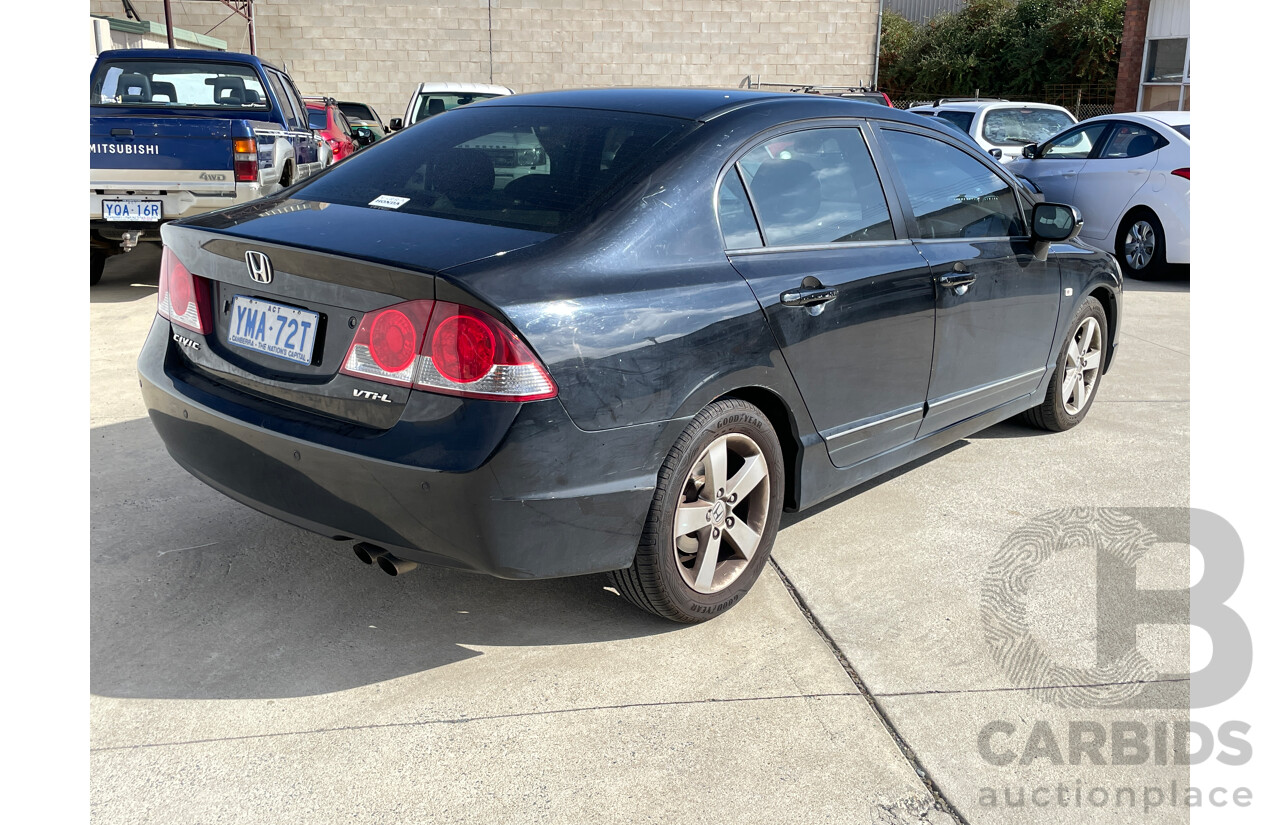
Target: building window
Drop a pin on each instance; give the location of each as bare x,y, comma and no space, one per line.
1166,76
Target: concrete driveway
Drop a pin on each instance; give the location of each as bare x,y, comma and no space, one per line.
245,671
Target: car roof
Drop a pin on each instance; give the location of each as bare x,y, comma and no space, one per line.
701,104
467,88
1167,118
184,54
980,105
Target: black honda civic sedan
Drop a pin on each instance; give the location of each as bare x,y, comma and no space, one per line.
617,331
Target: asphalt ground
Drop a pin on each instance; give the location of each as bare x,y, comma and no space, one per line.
905,659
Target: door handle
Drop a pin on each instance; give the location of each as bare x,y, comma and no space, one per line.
958,281
807,297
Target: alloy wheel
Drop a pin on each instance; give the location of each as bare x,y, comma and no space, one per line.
1080,373
1139,244
722,512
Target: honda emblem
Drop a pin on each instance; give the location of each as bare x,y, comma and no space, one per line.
259,266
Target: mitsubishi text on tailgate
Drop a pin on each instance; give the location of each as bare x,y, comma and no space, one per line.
174,133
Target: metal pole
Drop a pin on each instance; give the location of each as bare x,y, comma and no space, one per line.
875,70
168,22
253,35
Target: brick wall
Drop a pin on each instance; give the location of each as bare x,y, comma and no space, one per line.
1132,45
378,52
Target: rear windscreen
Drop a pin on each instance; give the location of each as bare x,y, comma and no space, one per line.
356,111
524,167
177,84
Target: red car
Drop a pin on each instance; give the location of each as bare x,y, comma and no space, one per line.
327,119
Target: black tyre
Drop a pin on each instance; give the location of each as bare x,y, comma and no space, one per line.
713,519
97,262
1140,246
1078,373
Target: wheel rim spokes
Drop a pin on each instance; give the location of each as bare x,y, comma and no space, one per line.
1080,372
720,519
1140,245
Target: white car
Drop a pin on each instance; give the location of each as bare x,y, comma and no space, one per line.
1130,177
995,123
433,98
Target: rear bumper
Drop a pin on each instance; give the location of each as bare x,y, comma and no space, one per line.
174,204
552,500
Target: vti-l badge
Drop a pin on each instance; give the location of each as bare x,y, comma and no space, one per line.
259,266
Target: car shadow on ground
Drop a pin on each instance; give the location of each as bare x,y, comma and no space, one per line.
125,276
194,596
1176,279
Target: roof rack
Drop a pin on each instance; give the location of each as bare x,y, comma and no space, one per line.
943,100
813,89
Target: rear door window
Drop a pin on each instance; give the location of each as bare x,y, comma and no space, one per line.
952,194
817,187
1129,140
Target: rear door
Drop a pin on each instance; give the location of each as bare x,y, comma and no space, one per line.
848,298
997,306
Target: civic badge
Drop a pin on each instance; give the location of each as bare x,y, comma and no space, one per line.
259,266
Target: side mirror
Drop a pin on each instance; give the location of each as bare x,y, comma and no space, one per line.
363,136
1029,151
996,153
396,124
1053,223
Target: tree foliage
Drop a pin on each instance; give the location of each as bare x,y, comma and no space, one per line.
1004,47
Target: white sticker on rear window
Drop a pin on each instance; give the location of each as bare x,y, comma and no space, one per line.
389,201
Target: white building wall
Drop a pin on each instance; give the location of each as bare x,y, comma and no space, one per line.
1169,18
378,52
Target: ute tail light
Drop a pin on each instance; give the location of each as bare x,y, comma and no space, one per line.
246,159
182,297
1184,172
447,348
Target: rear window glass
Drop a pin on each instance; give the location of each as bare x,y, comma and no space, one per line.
1184,130
525,167
1018,127
174,84
316,118
357,111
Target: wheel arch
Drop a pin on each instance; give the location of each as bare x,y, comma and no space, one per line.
784,424
1110,308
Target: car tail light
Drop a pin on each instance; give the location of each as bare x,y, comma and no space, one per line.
182,297
246,159
446,348
1184,172
388,342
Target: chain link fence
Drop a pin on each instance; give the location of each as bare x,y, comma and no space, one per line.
1081,100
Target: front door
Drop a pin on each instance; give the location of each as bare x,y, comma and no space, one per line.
997,306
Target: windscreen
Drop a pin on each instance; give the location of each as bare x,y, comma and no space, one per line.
525,167
1018,127
177,84
437,103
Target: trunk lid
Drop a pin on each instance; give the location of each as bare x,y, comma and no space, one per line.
329,266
